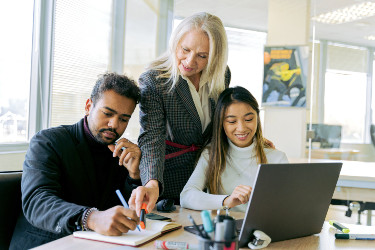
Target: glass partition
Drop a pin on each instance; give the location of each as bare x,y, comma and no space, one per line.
338,117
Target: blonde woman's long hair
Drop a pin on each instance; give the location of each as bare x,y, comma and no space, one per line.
219,143
218,52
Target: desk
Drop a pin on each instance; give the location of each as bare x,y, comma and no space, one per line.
334,153
356,181
324,240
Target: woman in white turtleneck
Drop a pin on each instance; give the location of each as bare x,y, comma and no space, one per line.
227,167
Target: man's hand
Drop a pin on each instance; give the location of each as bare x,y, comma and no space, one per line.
148,194
240,195
128,157
113,221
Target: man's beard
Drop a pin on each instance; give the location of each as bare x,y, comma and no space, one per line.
99,136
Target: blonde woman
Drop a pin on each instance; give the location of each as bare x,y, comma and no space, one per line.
227,168
178,98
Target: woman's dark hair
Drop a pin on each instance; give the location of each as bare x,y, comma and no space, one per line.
219,143
121,84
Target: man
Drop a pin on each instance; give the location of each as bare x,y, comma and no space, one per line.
70,173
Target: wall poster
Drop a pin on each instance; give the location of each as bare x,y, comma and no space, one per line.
285,75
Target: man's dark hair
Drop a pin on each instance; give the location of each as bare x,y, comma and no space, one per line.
121,84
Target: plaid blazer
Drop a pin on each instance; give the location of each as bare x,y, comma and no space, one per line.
169,115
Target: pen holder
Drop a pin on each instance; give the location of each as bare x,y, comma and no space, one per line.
208,244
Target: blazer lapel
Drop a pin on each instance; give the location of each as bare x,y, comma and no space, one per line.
183,91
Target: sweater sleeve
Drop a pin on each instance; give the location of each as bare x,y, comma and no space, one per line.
193,196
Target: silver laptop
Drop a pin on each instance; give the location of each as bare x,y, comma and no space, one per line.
289,200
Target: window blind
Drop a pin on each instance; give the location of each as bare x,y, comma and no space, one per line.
81,52
345,58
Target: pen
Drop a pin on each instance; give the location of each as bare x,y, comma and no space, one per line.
123,201
196,227
355,236
339,226
207,223
143,215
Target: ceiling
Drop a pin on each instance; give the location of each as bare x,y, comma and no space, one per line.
253,15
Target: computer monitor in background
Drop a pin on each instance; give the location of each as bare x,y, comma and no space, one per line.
329,136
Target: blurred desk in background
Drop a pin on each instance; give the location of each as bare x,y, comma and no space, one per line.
357,179
334,154
356,182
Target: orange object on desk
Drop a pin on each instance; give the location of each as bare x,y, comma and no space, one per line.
143,215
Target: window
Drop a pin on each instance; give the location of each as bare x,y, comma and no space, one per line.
345,103
82,36
246,55
140,48
345,91
15,64
372,120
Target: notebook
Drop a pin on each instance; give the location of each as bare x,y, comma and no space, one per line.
289,200
154,229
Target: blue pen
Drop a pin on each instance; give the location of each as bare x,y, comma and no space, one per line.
124,202
207,223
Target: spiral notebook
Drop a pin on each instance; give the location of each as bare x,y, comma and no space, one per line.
154,229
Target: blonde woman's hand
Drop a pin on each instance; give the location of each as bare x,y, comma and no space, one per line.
240,195
148,194
269,143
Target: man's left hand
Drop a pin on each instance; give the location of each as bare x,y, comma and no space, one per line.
129,156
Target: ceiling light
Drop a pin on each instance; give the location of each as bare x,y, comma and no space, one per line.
347,14
371,38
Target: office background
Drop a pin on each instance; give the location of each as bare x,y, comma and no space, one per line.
52,52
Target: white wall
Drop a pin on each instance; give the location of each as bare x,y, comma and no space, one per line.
286,128
11,161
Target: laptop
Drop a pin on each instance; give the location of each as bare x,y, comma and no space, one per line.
289,200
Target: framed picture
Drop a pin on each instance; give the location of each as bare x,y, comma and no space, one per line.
285,75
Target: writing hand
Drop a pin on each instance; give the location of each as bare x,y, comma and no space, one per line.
113,221
128,157
148,194
240,195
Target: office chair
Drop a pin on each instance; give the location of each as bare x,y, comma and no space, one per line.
10,200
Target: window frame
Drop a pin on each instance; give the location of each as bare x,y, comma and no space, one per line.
322,72
40,74
42,59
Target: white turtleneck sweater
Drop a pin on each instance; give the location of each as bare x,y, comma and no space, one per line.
241,168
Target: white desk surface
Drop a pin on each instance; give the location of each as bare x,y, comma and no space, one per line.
353,173
322,241
356,181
